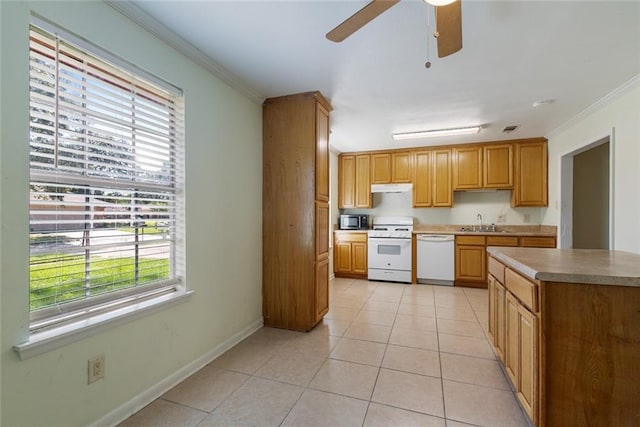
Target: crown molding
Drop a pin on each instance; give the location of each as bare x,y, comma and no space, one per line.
170,37
615,94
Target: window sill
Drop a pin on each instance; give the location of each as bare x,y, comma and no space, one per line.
51,339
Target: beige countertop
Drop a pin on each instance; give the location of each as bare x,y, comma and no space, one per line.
509,230
501,230
594,266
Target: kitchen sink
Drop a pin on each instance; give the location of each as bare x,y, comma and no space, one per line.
481,229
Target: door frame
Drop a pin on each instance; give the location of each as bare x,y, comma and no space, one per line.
565,213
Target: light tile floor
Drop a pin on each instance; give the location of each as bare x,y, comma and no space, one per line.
385,355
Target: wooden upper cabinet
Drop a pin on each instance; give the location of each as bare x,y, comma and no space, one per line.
381,168
389,168
363,181
401,167
467,168
354,183
530,179
422,182
346,181
442,190
498,166
322,153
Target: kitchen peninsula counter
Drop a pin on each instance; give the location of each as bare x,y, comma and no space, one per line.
565,324
594,266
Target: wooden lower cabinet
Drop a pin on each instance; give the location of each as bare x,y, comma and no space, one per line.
496,331
538,242
500,313
359,254
515,338
350,254
512,337
470,259
570,350
527,360
470,265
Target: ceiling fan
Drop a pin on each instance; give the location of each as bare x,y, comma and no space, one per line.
448,23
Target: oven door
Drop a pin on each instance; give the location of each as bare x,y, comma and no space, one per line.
389,253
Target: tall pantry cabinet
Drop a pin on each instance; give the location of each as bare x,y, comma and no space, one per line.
295,211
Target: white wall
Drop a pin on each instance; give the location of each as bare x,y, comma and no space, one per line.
467,205
622,115
223,247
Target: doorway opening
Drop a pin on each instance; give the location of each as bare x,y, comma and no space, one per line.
586,211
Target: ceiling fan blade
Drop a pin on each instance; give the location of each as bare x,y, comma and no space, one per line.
359,19
449,28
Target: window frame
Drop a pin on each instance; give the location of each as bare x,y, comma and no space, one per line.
73,318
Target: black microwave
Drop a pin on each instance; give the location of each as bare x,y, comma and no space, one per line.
354,222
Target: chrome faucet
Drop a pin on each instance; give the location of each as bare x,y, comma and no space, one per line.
479,218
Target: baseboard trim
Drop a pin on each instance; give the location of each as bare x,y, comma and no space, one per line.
138,402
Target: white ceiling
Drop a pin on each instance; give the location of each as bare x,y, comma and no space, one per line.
514,53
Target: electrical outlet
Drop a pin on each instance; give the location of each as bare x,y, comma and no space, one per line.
526,218
96,368
502,219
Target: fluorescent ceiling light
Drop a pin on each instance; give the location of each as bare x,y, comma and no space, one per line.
436,132
439,2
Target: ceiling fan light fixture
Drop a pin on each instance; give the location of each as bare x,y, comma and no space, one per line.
439,2
436,132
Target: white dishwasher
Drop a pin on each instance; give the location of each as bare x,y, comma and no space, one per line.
435,259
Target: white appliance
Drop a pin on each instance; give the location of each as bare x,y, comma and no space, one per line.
391,188
435,257
389,249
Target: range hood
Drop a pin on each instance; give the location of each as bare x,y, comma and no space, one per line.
391,188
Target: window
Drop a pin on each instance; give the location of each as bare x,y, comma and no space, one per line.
106,149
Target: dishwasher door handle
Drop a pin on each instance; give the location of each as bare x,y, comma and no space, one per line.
435,238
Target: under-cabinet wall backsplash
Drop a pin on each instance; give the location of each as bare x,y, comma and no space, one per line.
467,205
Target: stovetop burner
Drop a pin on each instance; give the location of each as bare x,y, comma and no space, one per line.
392,227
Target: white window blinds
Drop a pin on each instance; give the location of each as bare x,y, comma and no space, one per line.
106,149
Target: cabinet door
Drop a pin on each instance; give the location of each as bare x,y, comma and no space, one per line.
322,230
500,303
538,242
346,181
363,181
381,168
491,290
471,263
342,257
422,179
502,241
530,182
442,191
401,167
322,290
512,339
322,153
498,166
359,257
467,168
528,379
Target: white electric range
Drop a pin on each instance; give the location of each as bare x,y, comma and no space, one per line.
389,249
